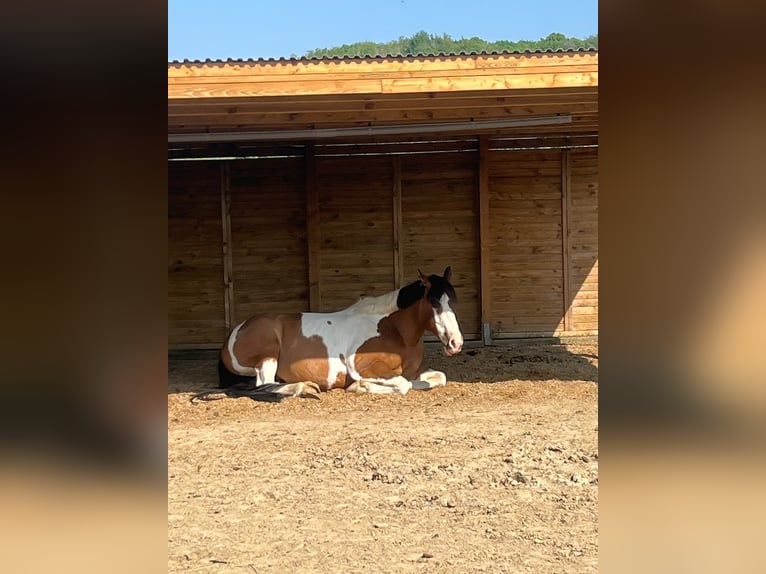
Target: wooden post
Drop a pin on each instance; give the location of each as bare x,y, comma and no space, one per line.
397,220
228,281
312,229
566,178
484,260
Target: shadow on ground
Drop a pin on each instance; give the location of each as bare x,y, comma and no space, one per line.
537,360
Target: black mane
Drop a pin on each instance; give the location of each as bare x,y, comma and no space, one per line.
413,292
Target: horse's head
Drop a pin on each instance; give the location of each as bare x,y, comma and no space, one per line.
441,295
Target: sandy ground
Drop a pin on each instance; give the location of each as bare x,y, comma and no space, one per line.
496,472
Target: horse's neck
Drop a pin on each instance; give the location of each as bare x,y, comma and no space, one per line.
412,322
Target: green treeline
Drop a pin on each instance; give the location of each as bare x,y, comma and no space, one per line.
429,44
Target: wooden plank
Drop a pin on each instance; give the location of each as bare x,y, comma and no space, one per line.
498,79
267,78
361,117
313,237
397,220
484,239
383,103
566,177
558,79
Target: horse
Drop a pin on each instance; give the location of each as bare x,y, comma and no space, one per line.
373,346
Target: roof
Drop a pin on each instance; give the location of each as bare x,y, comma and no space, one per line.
251,61
502,93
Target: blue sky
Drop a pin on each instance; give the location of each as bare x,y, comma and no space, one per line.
272,29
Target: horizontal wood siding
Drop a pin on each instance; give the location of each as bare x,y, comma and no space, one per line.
525,242
362,212
583,231
439,226
268,229
195,254
356,229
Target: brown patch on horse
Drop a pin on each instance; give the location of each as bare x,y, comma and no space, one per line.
257,340
398,350
279,336
302,358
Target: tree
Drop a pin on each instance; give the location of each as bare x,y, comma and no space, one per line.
423,43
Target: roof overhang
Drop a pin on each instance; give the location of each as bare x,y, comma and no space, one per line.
377,99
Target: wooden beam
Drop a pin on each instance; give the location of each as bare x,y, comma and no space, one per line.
566,179
397,220
338,117
211,88
312,230
484,240
228,281
382,102
389,75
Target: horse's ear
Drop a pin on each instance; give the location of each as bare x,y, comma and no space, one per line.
424,280
448,274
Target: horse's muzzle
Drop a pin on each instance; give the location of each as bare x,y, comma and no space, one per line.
453,347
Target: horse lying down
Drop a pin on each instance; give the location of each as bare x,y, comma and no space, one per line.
373,346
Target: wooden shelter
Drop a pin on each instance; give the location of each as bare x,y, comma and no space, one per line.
302,184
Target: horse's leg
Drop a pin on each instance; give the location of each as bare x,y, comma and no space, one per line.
305,390
263,386
398,385
267,381
429,379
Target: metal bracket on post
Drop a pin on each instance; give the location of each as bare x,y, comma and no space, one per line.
486,336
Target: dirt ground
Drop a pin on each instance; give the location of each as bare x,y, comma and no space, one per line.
496,472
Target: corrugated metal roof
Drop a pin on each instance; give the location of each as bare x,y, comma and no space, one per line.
251,61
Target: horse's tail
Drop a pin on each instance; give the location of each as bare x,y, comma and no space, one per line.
235,386
227,379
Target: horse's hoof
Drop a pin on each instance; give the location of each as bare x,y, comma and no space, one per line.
309,391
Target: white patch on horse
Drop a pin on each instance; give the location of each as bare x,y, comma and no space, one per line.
429,379
380,305
447,327
241,369
390,386
346,333
267,372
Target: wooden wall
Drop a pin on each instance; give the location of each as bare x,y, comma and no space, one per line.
526,242
317,232
195,262
439,226
268,234
355,228
583,232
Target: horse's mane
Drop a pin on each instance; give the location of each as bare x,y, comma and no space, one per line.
389,302
380,305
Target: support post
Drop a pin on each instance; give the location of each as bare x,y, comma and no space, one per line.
484,241
566,179
397,221
312,230
228,281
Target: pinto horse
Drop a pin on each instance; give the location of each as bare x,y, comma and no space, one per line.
373,346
